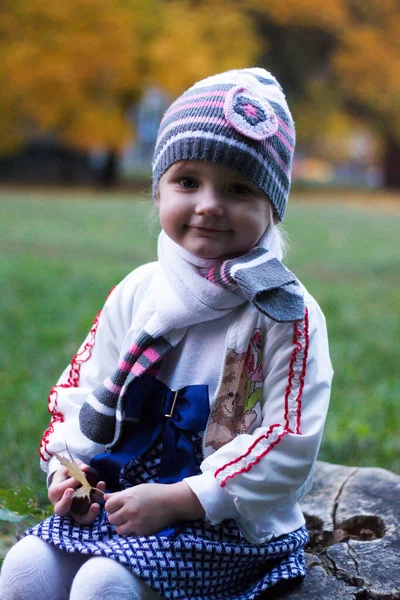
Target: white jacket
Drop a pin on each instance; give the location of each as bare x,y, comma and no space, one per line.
256,477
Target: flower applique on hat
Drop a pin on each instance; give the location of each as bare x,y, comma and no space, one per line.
250,114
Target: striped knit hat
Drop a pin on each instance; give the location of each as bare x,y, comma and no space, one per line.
239,119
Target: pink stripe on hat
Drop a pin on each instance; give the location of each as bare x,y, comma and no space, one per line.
213,103
186,98
219,122
285,141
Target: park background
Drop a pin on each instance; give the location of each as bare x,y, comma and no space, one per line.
83,86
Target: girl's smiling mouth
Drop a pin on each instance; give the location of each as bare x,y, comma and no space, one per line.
207,229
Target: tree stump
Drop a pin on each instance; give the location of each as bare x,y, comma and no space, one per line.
353,515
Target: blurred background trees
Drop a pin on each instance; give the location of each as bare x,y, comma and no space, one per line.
75,71
342,62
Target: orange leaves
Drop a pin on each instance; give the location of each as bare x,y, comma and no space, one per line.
330,16
360,61
95,125
71,67
66,65
368,65
197,40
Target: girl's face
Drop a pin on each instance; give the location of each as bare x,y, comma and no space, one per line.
210,210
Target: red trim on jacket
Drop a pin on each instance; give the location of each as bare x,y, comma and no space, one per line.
303,371
298,334
56,417
72,381
253,445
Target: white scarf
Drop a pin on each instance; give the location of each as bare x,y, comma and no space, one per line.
182,297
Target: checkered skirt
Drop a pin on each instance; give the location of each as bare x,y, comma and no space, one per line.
197,560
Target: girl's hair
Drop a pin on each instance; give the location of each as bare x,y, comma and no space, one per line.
275,238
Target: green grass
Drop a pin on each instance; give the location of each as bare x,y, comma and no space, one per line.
61,253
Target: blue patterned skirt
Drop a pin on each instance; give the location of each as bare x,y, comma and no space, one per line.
196,560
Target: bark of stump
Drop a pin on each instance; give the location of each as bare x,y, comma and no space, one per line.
353,515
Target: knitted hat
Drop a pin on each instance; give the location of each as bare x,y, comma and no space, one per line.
238,119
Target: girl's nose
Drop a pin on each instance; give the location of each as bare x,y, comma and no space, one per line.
209,202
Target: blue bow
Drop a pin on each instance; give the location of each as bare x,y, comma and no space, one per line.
153,411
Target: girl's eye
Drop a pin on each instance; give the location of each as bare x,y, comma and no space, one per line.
240,188
188,182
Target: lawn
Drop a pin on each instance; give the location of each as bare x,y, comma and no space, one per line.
62,252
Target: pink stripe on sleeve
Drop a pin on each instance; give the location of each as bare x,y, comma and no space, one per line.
152,355
210,275
224,277
124,366
138,369
112,387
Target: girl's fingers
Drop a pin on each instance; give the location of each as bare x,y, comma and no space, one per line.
116,518
125,529
113,502
98,497
60,475
68,483
63,506
88,517
58,489
83,466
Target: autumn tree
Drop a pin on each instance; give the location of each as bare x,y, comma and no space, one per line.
367,68
74,68
340,61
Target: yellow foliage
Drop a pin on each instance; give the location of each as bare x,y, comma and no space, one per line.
368,65
63,61
196,41
367,62
331,15
363,65
97,127
73,67
320,113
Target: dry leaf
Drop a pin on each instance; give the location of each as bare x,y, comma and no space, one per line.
77,473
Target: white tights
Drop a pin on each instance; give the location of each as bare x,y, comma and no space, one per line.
36,570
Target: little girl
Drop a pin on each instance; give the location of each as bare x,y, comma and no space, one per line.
201,391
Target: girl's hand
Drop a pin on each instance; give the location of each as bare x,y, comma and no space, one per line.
148,508
62,489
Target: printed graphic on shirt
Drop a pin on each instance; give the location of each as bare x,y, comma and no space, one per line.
237,408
